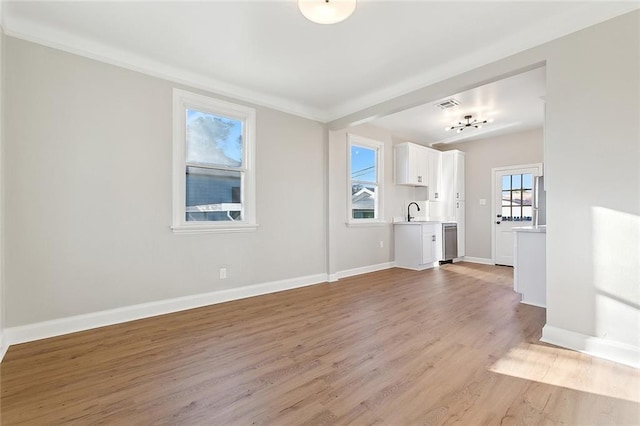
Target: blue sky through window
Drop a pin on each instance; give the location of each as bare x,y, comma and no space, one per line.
363,163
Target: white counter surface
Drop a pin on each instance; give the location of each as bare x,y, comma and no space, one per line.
417,222
540,228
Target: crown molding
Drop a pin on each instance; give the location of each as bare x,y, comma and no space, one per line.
62,40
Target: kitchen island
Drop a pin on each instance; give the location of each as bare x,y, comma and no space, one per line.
529,264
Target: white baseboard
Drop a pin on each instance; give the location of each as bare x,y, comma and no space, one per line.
591,345
363,270
4,346
480,260
43,330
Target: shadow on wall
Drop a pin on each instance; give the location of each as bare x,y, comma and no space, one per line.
616,274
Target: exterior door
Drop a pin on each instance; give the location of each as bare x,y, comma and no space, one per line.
512,207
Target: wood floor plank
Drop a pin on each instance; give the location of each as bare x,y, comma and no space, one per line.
451,345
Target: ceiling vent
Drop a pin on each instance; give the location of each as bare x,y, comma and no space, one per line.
449,103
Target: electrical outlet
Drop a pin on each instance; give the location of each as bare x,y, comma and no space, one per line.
223,273
381,244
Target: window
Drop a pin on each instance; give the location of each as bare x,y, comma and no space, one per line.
213,176
517,191
365,180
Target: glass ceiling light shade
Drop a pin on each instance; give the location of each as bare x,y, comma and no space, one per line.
326,11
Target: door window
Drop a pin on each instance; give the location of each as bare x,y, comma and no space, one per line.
517,193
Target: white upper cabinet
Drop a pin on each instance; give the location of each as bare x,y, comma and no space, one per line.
452,184
435,174
458,179
411,164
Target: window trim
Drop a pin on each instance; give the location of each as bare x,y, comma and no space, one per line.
379,203
183,100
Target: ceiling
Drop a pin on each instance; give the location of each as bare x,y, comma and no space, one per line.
267,53
514,104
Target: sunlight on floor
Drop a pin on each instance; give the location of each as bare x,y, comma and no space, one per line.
482,274
569,369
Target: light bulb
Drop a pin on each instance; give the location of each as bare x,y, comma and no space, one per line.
327,11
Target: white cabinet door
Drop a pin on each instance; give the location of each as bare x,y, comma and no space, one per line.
461,227
422,165
458,180
429,240
434,170
411,164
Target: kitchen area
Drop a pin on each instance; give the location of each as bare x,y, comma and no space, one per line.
433,231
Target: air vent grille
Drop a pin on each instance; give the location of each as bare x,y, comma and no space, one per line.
448,103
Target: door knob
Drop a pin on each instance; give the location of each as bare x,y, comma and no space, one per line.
498,222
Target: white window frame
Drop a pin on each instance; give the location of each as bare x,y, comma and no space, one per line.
183,100
379,200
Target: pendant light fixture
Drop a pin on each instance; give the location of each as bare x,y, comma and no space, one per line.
470,123
327,11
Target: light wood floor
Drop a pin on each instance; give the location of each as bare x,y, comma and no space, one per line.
444,346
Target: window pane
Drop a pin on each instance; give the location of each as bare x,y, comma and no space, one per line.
363,201
506,198
363,164
214,140
516,197
516,213
213,195
526,197
506,182
506,213
516,181
527,181
527,213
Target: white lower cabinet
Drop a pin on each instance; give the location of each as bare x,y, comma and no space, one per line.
418,245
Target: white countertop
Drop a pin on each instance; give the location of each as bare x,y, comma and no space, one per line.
417,222
538,229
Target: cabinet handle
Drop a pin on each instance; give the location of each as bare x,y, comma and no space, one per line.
436,195
457,195
433,238
457,205
420,179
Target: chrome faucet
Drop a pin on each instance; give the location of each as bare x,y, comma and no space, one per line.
409,217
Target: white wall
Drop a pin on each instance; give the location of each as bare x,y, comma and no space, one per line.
3,343
480,157
593,171
88,193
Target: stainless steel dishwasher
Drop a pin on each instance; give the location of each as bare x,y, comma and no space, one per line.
449,241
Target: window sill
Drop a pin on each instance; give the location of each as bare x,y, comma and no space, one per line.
370,223
214,229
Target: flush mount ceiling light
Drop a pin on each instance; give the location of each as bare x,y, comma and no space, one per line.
470,123
326,11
